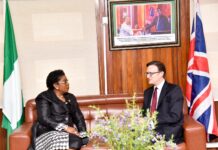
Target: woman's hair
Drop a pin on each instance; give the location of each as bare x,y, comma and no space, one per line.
53,77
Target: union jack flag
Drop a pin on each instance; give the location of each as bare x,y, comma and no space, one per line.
198,87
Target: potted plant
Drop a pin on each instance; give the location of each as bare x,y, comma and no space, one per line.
129,130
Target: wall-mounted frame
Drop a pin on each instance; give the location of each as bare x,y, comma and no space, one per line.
137,24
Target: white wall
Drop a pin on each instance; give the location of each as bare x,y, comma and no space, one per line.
54,34
209,14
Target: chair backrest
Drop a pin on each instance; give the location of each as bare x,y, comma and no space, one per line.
108,104
185,107
30,111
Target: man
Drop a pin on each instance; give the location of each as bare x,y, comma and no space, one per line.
167,101
126,29
161,22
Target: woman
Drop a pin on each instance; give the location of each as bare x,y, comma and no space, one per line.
60,123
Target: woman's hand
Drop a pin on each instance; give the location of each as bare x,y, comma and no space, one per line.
71,130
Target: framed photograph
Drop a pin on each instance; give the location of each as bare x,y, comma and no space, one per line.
137,24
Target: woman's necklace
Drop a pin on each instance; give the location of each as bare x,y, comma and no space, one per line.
61,97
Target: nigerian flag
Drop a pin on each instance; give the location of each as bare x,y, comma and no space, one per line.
12,94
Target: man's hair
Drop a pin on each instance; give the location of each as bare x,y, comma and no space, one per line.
160,66
53,77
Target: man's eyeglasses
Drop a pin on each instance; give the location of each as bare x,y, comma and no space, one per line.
63,82
151,73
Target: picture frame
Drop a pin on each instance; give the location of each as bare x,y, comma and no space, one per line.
135,24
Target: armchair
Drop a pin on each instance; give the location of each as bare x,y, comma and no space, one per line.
194,132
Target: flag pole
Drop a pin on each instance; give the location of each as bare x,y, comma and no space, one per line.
12,109
198,88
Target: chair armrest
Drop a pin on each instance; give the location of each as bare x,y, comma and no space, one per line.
194,134
21,137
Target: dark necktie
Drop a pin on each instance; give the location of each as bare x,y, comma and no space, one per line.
154,101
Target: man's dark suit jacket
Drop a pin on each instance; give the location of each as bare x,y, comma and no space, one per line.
170,111
161,26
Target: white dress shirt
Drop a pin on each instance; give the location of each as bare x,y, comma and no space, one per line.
159,88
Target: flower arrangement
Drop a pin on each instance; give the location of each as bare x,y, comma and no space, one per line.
129,130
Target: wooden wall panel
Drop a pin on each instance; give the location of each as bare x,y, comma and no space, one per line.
99,14
2,134
126,68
